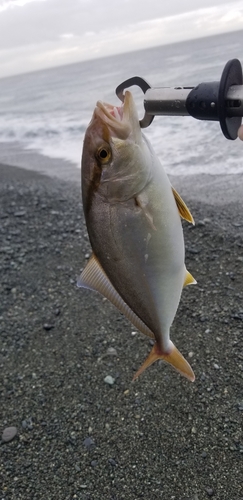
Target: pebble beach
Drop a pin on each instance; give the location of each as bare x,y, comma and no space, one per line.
73,424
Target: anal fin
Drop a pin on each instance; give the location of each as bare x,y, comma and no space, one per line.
182,208
94,278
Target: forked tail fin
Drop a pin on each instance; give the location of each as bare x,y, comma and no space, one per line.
174,358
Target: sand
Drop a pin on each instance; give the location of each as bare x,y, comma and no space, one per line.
78,437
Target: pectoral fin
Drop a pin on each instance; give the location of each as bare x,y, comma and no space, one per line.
189,280
183,209
95,278
142,202
174,358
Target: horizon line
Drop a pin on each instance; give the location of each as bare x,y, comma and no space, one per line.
81,61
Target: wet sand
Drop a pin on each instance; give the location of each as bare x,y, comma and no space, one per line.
79,437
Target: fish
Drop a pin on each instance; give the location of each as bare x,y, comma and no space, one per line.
133,218
240,133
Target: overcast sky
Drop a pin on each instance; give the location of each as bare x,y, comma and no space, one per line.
36,34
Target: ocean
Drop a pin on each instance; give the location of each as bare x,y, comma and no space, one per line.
47,112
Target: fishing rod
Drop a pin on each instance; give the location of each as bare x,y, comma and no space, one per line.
215,101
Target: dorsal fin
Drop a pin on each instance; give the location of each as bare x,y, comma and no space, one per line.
94,277
183,209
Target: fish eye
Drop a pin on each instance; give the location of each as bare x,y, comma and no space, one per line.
103,154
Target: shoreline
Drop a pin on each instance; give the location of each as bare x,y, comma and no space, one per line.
79,437
14,154
208,188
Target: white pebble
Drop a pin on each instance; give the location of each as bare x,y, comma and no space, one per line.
109,380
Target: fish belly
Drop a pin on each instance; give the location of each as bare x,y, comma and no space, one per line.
143,259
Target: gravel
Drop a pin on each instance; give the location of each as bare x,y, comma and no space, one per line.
160,437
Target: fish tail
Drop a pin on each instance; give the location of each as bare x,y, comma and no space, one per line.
174,358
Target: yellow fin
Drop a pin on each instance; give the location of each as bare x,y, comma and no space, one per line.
189,280
174,358
183,209
94,277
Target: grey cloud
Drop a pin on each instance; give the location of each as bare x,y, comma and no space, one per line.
39,22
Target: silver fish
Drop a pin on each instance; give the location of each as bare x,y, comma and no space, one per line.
133,221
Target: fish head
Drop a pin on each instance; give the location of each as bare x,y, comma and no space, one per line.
116,161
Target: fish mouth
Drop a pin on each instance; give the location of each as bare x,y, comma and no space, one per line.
122,121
